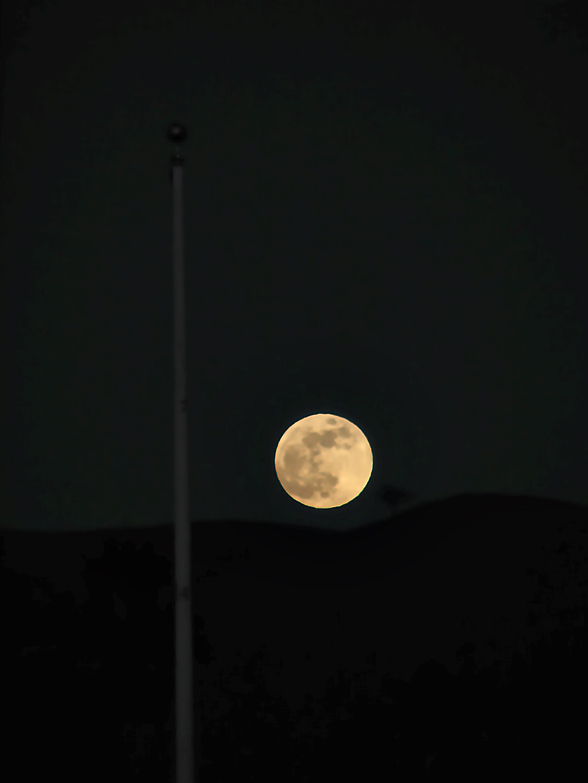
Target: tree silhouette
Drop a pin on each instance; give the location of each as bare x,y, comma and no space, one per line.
394,497
567,17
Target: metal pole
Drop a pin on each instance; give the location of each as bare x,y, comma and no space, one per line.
182,547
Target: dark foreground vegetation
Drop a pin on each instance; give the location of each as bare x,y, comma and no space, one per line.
314,660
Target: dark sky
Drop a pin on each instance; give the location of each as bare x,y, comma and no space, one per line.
385,219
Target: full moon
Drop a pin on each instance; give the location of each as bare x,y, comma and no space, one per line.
323,461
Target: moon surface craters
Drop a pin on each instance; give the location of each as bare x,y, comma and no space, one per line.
323,461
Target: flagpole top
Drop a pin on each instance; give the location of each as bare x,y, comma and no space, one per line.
176,133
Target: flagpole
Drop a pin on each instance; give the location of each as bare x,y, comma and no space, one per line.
184,700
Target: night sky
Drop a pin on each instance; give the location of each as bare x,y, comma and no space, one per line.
384,219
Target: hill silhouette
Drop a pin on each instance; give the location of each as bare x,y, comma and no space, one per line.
448,639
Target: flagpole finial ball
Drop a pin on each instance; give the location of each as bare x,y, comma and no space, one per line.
176,133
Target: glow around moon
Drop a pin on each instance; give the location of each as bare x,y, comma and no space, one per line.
323,461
